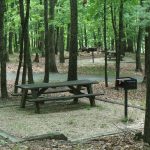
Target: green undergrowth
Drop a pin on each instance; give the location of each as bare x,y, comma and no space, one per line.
100,71
95,70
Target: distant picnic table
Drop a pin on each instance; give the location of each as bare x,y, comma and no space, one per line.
112,55
74,87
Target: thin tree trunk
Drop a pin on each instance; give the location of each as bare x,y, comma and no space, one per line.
46,75
10,42
138,51
146,58
16,43
4,93
85,37
113,16
105,43
53,67
139,45
147,113
95,40
27,43
119,49
61,45
130,46
72,68
56,40
68,38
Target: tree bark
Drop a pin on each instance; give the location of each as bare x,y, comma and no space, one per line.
85,37
119,49
72,70
139,45
147,113
53,67
46,75
105,43
4,93
61,45
68,38
10,42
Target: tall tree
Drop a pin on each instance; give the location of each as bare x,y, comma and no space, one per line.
105,43
147,67
147,114
46,75
52,61
24,45
61,45
139,45
4,93
72,70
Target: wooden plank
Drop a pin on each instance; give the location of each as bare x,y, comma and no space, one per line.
63,97
49,90
56,90
18,94
56,136
57,84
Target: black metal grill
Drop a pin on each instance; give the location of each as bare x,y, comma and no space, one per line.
127,83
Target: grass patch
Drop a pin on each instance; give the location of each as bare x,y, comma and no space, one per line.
100,71
127,120
95,70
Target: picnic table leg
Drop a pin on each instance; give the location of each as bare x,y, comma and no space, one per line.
37,107
23,99
92,98
75,90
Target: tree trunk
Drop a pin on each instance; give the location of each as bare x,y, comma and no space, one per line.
61,45
85,37
105,43
24,46
119,49
95,40
138,51
139,45
16,43
130,46
27,58
147,114
72,68
46,75
146,58
10,42
114,24
5,47
68,38
4,93
56,40
53,67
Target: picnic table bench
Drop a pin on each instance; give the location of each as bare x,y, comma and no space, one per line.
112,55
74,87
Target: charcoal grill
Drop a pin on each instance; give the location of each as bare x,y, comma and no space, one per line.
127,83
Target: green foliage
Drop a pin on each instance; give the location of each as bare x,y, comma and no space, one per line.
90,15
127,120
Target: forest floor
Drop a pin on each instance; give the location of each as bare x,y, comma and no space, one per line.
101,116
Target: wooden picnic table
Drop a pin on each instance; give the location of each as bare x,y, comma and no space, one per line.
112,55
75,87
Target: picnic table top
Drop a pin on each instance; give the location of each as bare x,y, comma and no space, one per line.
56,84
111,52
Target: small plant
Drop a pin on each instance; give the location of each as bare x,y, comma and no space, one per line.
88,107
100,107
103,125
127,120
71,122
